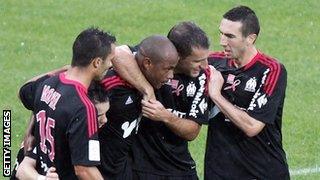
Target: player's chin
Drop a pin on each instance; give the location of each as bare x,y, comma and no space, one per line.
195,73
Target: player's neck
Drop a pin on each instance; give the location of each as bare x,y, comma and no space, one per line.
81,75
247,56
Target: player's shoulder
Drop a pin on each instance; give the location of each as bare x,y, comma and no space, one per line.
112,81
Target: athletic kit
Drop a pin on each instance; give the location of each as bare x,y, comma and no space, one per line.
259,89
158,153
66,126
117,134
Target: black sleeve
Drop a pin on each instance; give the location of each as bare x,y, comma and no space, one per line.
83,142
265,106
28,91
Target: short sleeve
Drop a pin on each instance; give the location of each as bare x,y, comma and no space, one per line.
28,91
84,146
266,105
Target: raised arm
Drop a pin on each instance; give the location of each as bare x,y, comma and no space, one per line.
128,69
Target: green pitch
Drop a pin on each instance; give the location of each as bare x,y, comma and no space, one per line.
36,36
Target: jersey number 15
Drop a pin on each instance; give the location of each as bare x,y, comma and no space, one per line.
45,126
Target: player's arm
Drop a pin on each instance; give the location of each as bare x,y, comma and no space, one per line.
249,125
185,128
27,171
128,69
84,143
28,142
53,72
87,172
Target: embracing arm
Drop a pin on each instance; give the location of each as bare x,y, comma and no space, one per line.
128,69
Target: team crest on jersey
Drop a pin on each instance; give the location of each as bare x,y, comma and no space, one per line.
191,89
251,85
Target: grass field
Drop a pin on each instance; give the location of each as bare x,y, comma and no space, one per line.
36,36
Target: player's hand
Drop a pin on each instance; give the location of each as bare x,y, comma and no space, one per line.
51,174
215,83
154,110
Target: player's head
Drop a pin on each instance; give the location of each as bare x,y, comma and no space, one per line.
94,48
239,30
100,99
192,45
157,58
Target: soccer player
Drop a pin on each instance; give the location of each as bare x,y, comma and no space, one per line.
66,122
29,167
160,150
244,136
156,57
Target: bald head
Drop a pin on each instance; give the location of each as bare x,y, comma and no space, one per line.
157,48
157,58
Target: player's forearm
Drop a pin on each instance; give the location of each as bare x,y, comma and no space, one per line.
88,173
250,126
28,138
53,72
185,128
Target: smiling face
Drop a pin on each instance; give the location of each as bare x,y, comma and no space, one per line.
193,63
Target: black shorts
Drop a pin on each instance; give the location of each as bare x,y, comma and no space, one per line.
138,175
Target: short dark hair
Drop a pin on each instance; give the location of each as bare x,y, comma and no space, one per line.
248,18
97,93
187,35
91,43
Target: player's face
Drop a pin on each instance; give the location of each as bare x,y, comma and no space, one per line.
106,63
102,108
231,39
160,73
193,64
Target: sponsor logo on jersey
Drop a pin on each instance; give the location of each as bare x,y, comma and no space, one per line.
177,113
251,85
194,111
262,100
191,89
129,100
259,95
203,105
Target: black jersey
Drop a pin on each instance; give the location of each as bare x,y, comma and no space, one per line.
259,89
158,150
28,91
117,134
66,126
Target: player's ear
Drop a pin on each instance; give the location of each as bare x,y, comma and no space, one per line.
251,38
147,63
96,62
